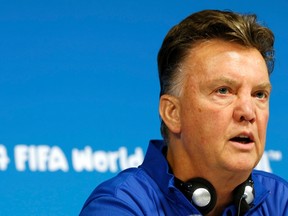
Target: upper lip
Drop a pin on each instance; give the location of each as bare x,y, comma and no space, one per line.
243,137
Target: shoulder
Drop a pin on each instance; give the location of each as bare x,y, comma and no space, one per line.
269,179
132,179
123,194
270,188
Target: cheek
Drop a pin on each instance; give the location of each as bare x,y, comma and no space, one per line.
205,121
262,125
263,117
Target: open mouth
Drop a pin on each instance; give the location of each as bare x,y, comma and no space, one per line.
242,139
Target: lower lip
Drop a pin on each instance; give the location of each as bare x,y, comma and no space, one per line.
243,146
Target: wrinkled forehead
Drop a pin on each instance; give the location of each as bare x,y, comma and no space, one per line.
218,53
220,60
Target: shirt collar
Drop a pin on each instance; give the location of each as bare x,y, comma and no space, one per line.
156,165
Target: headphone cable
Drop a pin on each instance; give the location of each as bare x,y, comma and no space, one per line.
244,196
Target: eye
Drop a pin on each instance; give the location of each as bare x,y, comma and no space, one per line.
261,95
223,90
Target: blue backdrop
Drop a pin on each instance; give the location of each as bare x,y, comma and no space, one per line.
79,94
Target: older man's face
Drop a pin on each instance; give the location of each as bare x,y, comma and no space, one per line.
224,106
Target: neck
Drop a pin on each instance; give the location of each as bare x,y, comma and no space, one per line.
223,200
223,181
185,168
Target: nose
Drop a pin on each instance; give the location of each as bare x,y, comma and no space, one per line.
244,109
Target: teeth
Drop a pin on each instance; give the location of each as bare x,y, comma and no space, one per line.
243,136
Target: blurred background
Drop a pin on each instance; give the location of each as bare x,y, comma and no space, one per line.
79,94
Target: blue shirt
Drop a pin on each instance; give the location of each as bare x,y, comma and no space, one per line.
149,190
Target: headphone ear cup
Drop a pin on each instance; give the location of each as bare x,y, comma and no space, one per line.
244,196
249,194
200,193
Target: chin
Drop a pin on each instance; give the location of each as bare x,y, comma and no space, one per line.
242,165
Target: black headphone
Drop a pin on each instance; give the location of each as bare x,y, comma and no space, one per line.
202,194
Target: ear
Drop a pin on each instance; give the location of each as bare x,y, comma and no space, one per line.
169,110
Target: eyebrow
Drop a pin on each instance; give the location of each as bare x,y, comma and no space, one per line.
226,80
266,85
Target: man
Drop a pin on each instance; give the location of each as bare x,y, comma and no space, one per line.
214,70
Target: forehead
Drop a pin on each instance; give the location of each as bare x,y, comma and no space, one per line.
217,57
